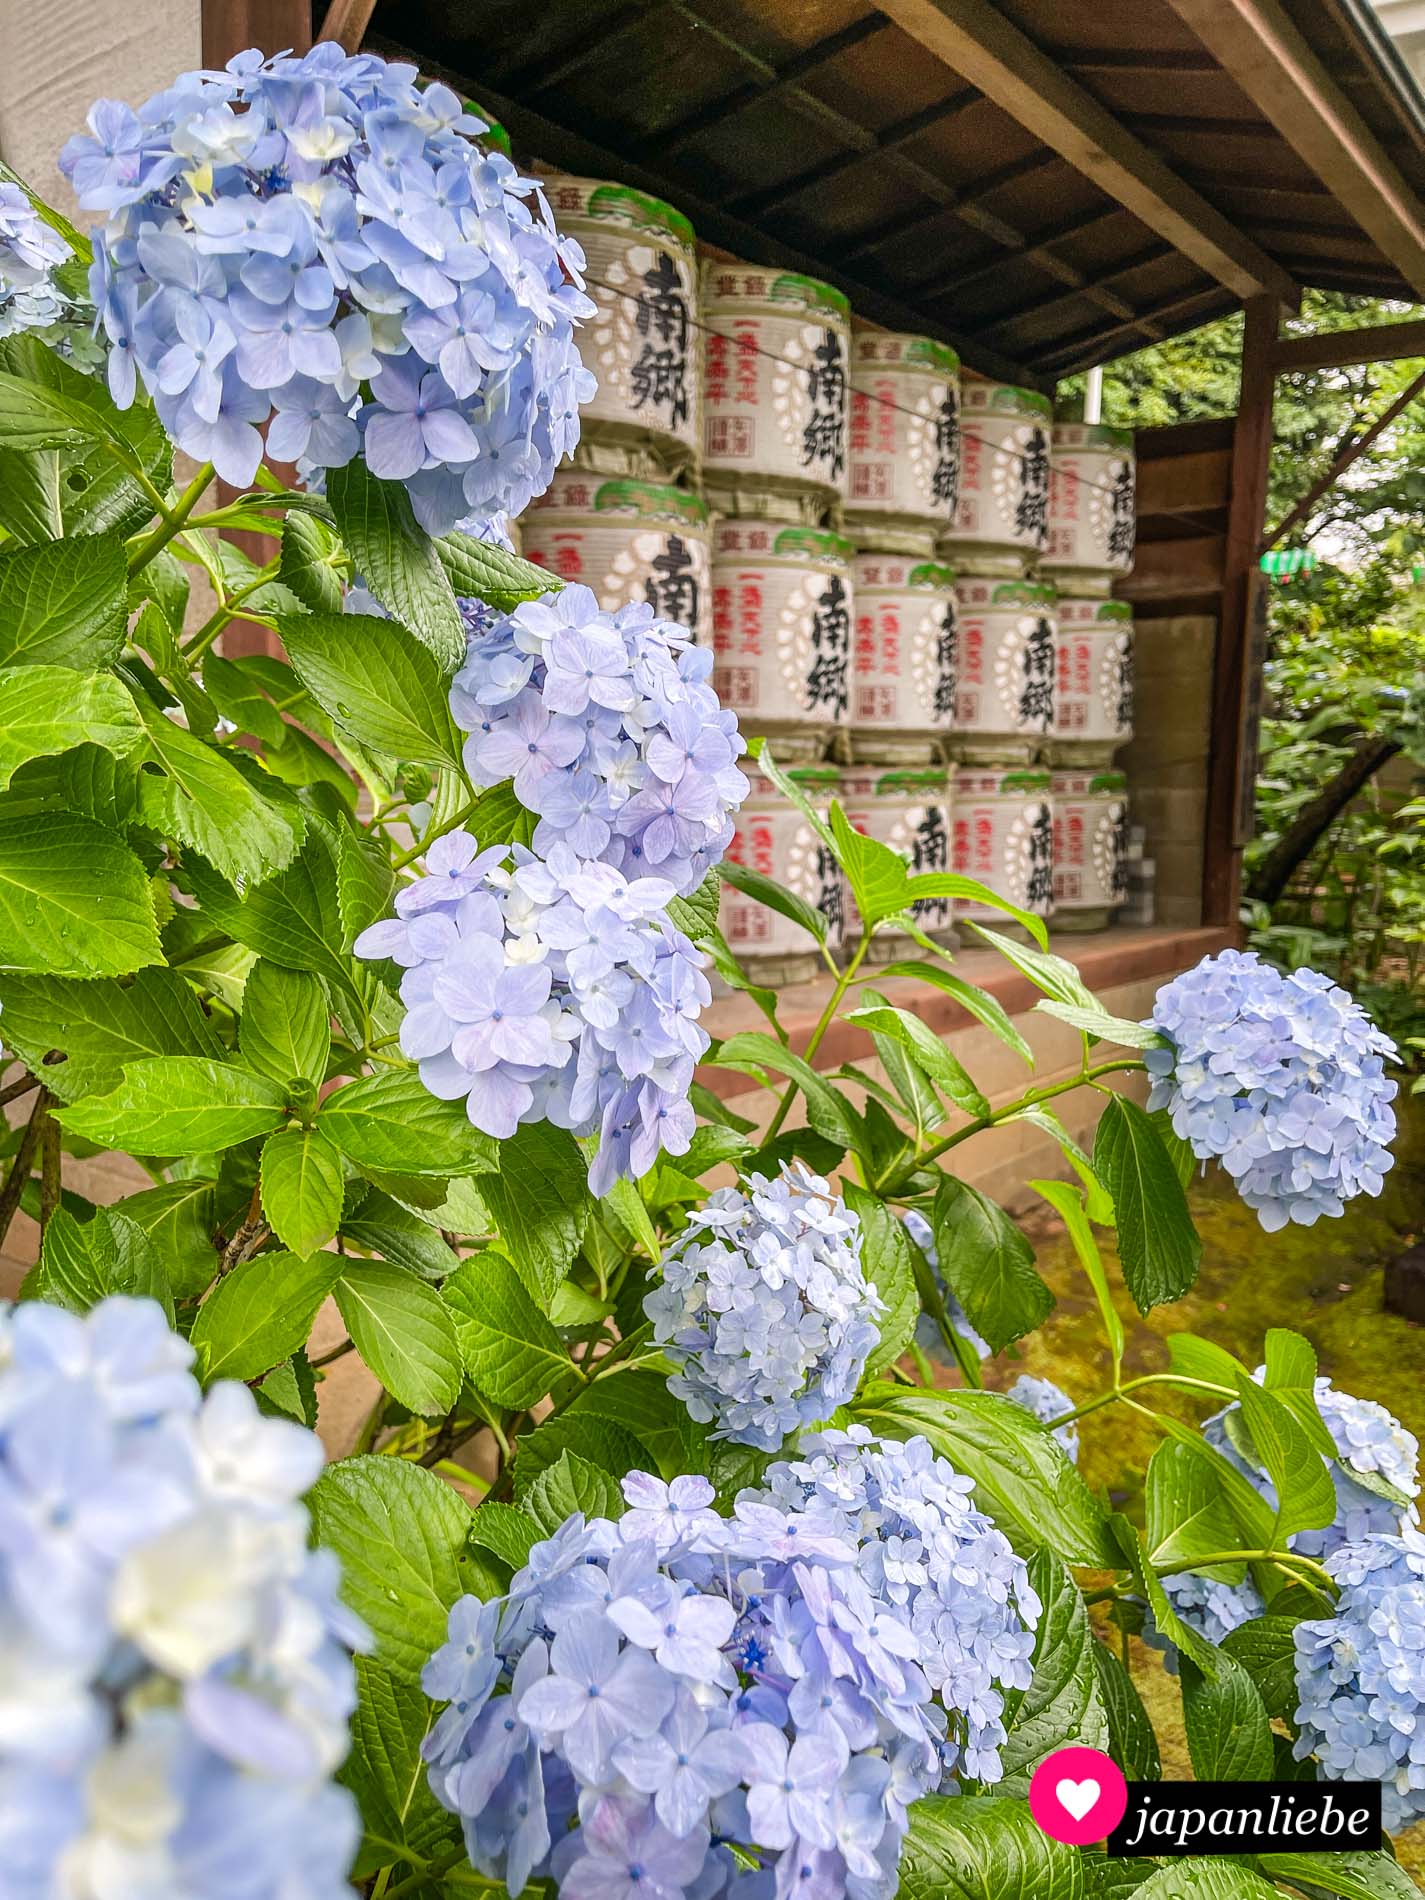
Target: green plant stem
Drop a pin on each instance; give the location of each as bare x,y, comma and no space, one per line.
1121,1392
1288,1559
430,1870
221,616
893,1184
24,1160
459,1474
436,831
814,1041
175,520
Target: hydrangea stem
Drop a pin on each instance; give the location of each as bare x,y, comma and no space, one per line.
893,1183
1116,1392
814,1041
1287,1559
175,519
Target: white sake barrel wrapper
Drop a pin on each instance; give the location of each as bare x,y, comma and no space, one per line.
776,389
782,623
773,837
905,431
629,541
1092,506
1090,847
642,344
1093,690
903,658
1002,510
1005,664
1004,838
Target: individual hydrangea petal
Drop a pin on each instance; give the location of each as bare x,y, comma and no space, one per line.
373,276
1280,1078
788,1680
177,1684
1360,1674
764,1309
609,729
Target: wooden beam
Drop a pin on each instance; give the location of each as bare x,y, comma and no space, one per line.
979,43
1271,60
346,21
1344,349
275,26
539,137
1184,484
1236,675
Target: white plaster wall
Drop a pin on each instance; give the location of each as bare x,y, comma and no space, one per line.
58,56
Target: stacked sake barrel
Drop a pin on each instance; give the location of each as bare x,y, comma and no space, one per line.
626,517
904,472
1090,546
1043,688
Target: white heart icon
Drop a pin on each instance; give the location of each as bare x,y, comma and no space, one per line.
1077,1797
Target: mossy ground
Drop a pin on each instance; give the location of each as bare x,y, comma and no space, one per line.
1323,1281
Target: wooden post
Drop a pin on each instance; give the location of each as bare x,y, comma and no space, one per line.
230,27
1237,673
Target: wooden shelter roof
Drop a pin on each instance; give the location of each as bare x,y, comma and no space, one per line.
1046,184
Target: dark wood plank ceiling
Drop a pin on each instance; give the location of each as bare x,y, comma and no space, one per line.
819,134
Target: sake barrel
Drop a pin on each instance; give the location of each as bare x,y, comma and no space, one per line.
903,658
1092,506
1093,689
642,341
1003,835
773,837
1002,509
904,458
1004,690
910,812
775,388
629,541
782,622
1090,847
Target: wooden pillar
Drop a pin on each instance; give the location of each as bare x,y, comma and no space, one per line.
1241,631
230,27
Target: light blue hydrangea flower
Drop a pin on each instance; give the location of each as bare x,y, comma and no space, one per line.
1376,1471
29,254
609,729
925,1547
176,1682
1281,1078
549,990
764,1308
1045,1401
321,241
927,1333
1206,1604
656,1692
1360,1674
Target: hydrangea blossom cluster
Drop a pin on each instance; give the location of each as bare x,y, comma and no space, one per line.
1281,1078
1206,1604
764,1309
610,730
549,990
1360,1674
176,1683
1376,1472
927,1333
1045,1401
321,245
657,1692
925,1548
29,254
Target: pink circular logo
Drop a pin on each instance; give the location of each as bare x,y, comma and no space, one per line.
1078,1796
